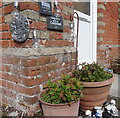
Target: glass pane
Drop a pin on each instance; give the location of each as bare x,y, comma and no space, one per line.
83,7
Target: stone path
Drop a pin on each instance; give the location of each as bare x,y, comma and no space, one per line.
115,88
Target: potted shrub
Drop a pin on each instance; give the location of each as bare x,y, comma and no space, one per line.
61,99
97,83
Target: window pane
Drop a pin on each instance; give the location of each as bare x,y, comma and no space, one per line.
83,7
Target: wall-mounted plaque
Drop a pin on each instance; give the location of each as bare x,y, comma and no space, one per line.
20,28
54,22
45,8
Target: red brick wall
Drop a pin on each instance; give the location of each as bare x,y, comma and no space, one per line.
23,69
107,32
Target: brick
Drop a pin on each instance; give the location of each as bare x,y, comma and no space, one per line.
4,43
30,71
100,23
10,60
45,78
66,36
99,39
53,59
43,60
11,94
30,34
1,68
100,15
43,18
31,81
58,43
30,100
8,8
53,67
36,15
9,77
71,4
66,29
29,5
1,3
66,22
14,44
25,13
12,86
5,35
54,75
4,27
38,25
2,19
2,83
100,31
47,43
68,9
55,35
44,69
35,72
27,44
7,68
101,6
1,11
29,91
24,72
8,18
15,70
29,62
44,35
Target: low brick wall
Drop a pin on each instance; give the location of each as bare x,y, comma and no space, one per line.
24,69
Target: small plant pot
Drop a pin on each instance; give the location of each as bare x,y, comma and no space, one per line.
95,93
50,110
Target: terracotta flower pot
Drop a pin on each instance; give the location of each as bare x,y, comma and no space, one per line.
95,93
59,109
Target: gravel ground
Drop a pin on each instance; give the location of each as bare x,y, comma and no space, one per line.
8,111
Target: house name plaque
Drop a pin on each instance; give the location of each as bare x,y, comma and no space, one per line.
55,23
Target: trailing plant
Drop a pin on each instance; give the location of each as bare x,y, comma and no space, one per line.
91,73
68,90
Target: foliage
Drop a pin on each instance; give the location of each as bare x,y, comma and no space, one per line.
68,90
91,73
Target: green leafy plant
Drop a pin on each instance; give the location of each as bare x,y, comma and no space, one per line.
91,73
68,90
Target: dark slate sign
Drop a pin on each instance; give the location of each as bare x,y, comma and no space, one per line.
45,8
54,22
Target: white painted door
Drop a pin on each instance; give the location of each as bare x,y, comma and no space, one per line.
87,35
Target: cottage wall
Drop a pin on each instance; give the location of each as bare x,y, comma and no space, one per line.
107,32
24,69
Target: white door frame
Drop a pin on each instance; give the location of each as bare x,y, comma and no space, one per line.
94,28
93,19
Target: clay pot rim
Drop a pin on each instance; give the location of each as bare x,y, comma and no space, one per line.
49,104
99,84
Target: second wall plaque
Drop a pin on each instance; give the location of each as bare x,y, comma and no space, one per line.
45,8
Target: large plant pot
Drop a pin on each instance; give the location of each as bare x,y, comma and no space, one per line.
59,109
95,94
